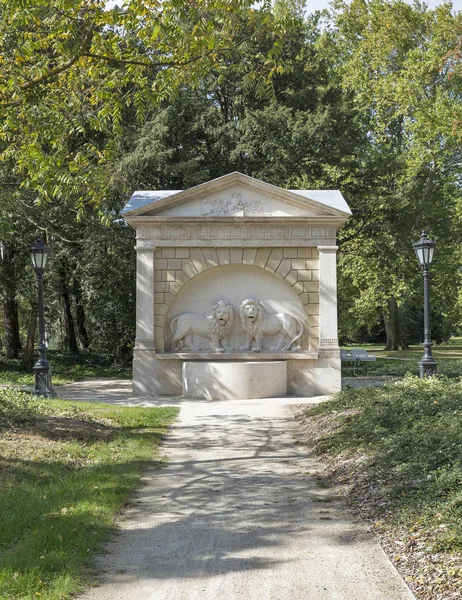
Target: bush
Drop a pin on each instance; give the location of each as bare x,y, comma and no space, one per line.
409,434
17,408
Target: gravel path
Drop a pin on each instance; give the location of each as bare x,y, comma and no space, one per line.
238,514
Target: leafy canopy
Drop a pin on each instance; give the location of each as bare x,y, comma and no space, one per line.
72,70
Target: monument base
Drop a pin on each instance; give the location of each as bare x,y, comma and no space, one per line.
234,380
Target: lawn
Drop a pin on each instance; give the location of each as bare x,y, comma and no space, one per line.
65,473
398,450
448,350
398,363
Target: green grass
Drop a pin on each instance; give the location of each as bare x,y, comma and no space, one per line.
448,355
449,350
408,437
65,472
66,369
384,367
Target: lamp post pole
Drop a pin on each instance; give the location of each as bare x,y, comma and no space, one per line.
424,249
42,368
428,364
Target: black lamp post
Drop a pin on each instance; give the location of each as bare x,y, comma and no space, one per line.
39,254
424,249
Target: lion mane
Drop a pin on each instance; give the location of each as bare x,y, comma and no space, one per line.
246,326
214,326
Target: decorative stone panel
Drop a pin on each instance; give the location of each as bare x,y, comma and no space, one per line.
297,267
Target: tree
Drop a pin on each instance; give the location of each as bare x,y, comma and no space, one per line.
398,60
71,70
304,133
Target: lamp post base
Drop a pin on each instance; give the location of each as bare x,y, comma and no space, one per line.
427,368
43,386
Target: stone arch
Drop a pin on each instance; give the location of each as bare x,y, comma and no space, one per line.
174,267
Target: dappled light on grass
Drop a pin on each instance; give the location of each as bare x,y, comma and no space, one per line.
61,491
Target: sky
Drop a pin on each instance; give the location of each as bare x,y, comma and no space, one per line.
313,5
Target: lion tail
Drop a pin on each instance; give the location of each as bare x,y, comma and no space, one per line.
173,323
299,335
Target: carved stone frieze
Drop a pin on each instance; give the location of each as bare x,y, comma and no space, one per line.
329,342
233,234
255,323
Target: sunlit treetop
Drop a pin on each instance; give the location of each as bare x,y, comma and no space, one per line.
71,69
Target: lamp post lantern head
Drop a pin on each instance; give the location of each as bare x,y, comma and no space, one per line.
39,254
424,249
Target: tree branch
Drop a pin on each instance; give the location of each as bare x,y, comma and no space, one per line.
354,235
57,70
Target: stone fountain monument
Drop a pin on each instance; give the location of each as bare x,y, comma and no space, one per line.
236,290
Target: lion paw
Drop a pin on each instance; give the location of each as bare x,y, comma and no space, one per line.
256,349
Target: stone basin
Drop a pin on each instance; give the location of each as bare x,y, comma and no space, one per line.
236,380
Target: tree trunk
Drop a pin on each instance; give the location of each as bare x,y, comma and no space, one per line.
10,305
28,354
70,339
392,326
12,339
80,316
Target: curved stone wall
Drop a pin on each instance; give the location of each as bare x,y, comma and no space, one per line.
174,267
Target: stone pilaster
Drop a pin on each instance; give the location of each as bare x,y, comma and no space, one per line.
328,331
145,299
144,354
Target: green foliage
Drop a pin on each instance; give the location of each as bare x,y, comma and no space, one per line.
17,408
226,125
82,86
107,272
169,95
409,433
398,60
67,368
62,488
72,72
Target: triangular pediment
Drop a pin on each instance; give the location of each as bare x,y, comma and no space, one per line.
237,195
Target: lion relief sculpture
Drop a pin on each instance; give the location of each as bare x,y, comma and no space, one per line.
256,323
215,327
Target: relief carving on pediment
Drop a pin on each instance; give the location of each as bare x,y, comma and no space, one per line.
236,205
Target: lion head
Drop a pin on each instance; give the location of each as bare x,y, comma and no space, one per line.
221,318
250,313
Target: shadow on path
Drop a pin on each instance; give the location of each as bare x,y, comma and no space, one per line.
236,514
